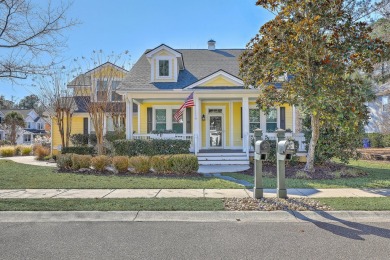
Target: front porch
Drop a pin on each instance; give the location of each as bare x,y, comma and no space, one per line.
214,125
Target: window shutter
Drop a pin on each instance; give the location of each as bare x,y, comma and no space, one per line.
283,118
188,120
85,125
149,115
241,120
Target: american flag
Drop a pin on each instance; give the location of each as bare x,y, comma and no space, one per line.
188,103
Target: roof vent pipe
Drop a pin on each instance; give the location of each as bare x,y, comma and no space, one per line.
211,45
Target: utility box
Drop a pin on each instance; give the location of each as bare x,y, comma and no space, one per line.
285,150
262,149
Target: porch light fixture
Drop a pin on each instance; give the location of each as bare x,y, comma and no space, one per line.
203,117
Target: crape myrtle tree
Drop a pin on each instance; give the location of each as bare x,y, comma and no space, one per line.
31,36
100,98
57,100
13,122
325,49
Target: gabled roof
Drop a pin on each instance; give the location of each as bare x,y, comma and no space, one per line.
84,79
227,75
23,112
199,63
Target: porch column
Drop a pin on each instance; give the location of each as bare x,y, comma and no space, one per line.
245,124
293,119
129,117
197,120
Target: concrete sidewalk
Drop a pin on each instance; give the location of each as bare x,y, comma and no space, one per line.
184,193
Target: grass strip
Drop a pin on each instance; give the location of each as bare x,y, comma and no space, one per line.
134,204
378,177
21,176
365,204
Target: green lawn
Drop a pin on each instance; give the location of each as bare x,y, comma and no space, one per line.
366,204
378,177
135,204
21,176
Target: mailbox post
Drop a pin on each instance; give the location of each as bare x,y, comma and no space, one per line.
284,151
261,153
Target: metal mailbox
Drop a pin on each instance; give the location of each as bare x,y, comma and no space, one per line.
262,149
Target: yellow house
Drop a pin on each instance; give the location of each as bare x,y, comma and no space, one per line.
86,85
220,125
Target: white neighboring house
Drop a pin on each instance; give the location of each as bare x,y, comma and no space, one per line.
34,125
380,111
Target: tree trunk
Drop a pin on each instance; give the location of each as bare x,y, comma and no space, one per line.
13,134
315,134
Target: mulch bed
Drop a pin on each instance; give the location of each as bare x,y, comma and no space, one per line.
270,204
322,172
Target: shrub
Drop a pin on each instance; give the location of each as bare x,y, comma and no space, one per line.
7,151
81,161
115,135
83,139
41,151
79,150
121,163
376,140
64,161
18,149
46,158
161,164
100,162
184,163
26,150
140,164
151,147
5,142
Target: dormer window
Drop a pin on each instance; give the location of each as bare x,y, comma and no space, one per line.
163,68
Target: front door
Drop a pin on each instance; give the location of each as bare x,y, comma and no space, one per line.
215,131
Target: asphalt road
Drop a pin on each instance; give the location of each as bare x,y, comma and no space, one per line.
192,240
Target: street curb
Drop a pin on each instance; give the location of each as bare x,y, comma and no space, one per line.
194,216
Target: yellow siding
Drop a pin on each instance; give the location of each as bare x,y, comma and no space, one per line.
135,123
237,140
82,91
219,81
77,128
289,117
108,72
163,53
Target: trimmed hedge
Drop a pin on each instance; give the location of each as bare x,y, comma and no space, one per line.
86,150
184,163
151,147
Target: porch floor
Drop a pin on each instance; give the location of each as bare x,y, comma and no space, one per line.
220,151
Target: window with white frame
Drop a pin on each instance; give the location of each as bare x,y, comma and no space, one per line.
103,88
272,120
39,126
177,127
161,119
30,125
164,120
254,119
163,68
26,138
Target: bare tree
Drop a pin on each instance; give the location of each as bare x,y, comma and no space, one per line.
98,87
59,103
29,34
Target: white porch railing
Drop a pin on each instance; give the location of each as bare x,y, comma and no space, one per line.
299,137
188,137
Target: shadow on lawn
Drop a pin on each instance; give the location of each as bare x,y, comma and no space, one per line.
354,230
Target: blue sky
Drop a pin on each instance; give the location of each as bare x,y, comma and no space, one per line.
136,25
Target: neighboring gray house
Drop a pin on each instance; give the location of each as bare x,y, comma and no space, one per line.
380,111
34,125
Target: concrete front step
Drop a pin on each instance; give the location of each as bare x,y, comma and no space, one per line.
230,158
246,162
